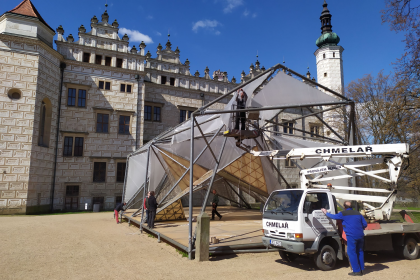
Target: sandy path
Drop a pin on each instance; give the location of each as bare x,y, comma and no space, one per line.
92,246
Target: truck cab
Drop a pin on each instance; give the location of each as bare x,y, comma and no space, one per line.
294,223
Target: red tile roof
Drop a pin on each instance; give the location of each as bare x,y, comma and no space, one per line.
26,8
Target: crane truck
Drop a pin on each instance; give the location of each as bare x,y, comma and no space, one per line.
294,223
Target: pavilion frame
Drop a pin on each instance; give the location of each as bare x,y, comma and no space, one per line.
196,123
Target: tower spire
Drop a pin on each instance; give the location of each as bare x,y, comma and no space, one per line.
325,18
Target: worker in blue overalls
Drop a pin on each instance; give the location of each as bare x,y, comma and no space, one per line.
353,226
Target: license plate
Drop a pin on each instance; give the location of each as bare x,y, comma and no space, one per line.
275,243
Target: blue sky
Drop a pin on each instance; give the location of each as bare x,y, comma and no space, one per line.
226,34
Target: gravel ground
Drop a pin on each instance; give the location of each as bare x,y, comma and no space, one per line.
93,246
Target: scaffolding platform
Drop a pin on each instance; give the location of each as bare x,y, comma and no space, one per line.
238,230
242,134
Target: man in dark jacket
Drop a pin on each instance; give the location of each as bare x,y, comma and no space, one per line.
353,225
241,99
152,206
145,206
118,208
214,203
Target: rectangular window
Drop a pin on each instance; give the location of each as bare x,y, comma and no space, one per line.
156,114
288,128
71,98
98,59
122,87
102,121
290,163
172,81
316,201
101,84
125,88
314,131
81,99
189,114
129,88
99,171
121,171
124,125
68,147
333,54
147,113
107,85
182,116
107,61
119,62
86,57
163,80
78,146
72,198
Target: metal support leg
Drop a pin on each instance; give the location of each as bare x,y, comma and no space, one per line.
145,187
190,206
240,196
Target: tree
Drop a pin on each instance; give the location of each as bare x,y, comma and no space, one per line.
385,115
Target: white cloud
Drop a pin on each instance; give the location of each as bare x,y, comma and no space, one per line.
158,33
232,4
206,24
254,15
136,36
149,17
246,13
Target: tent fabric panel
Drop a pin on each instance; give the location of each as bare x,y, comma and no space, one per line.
136,175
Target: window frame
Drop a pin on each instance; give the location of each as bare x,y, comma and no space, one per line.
318,128
188,112
96,121
88,55
73,145
171,81
289,163
78,89
153,105
163,78
96,59
126,87
108,58
105,83
287,128
129,123
118,61
98,171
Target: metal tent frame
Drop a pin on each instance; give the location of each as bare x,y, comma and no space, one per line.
197,122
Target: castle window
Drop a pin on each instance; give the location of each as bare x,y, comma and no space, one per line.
172,81
98,59
45,123
107,61
323,55
99,171
121,172
125,88
79,95
333,54
325,74
153,111
102,121
124,125
72,198
86,57
119,62
288,127
73,144
163,80
104,85
315,129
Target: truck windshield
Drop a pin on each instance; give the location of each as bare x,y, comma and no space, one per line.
284,202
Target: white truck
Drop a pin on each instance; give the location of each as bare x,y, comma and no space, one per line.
294,223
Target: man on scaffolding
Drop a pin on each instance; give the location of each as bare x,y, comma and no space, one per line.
241,99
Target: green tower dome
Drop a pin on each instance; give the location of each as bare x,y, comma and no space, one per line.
330,38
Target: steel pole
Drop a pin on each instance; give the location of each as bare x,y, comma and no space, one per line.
190,201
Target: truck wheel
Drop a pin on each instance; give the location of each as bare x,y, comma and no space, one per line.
288,257
325,258
411,249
